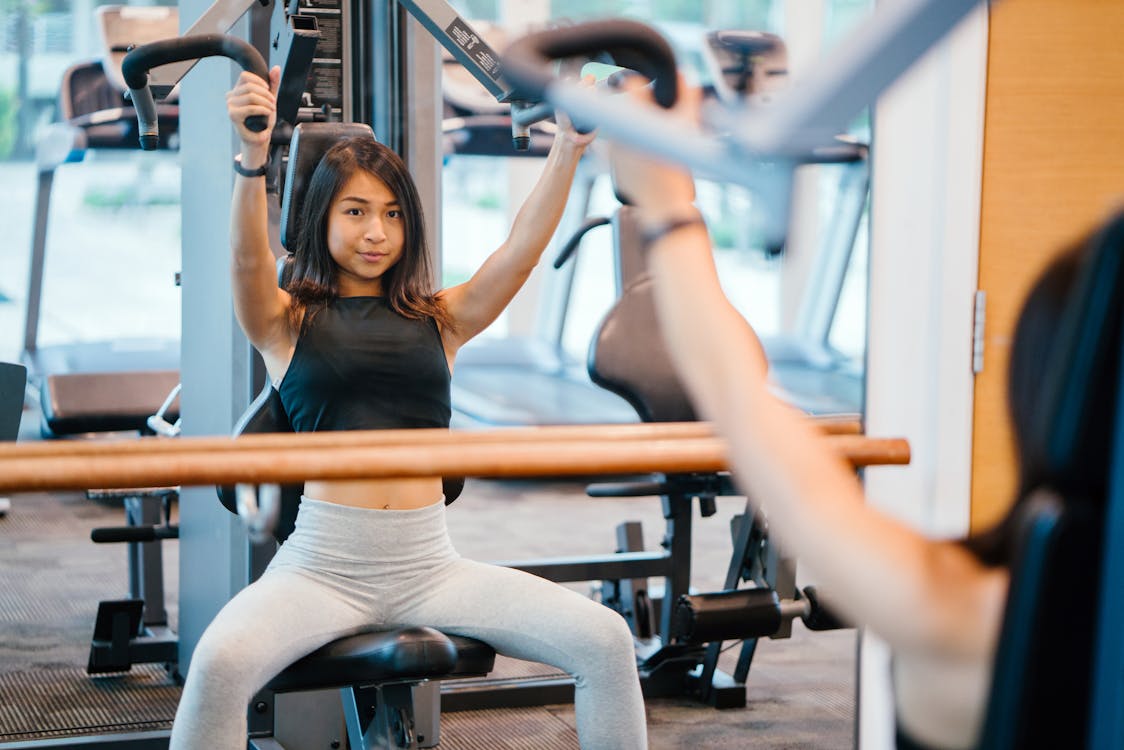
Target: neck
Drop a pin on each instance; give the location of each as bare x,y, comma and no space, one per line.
350,288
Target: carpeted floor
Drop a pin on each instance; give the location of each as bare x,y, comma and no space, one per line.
800,691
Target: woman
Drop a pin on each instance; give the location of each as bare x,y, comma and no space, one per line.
938,604
358,340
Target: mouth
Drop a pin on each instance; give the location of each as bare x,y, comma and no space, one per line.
372,257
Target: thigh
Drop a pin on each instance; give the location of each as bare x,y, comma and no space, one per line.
282,616
521,615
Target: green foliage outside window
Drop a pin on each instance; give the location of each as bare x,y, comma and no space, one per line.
8,111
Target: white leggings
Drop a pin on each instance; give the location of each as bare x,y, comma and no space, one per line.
346,569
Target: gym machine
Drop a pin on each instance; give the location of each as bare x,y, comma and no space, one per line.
1074,692
103,386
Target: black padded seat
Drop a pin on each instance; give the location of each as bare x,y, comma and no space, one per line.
410,654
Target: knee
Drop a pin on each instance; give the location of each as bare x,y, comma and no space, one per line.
608,637
219,667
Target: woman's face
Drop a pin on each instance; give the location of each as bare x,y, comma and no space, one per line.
366,234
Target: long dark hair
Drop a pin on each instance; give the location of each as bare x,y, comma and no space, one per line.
314,277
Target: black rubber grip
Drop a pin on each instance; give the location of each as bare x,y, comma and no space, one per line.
527,61
115,534
136,65
819,617
726,616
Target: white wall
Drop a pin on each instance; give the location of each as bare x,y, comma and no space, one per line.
925,209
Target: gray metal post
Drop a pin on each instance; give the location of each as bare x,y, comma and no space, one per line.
46,178
146,559
215,358
422,108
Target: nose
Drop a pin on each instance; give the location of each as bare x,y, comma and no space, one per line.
374,230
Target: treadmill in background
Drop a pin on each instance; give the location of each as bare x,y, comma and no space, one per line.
517,380
805,370
114,385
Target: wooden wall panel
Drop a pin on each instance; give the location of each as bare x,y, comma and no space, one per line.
1053,167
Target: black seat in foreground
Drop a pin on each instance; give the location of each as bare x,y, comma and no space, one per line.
384,682
1042,692
384,677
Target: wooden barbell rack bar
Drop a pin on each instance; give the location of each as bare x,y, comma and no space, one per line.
290,459
829,425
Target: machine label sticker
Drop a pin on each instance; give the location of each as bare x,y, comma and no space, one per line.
323,94
330,45
475,47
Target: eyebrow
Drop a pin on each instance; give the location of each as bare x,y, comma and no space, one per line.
356,199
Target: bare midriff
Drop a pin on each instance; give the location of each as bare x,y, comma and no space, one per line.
379,494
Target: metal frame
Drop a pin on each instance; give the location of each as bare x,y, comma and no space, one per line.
147,513
665,668
796,122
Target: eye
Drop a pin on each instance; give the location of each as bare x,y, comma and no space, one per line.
353,211
394,213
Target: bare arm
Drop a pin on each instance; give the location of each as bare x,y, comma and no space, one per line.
261,307
919,594
477,302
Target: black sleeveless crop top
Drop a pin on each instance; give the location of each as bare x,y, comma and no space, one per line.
358,365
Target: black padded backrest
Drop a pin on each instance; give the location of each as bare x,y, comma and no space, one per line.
629,244
264,415
311,140
628,357
1042,681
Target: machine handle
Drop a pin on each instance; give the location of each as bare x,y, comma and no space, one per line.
571,245
527,62
114,534
140,60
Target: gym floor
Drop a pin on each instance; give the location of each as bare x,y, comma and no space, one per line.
800,691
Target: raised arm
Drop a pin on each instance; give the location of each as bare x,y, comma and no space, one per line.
261,307
477,302
921,595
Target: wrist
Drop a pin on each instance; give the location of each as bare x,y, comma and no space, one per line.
653,216
254,167
254,154
654,229
567,148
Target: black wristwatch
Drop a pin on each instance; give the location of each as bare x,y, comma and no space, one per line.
259,172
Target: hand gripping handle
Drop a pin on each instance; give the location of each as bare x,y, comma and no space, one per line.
140,60
527,62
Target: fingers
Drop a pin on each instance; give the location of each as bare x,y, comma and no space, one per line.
252,96
248,83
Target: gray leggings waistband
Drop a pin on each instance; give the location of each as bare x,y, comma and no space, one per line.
370,535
